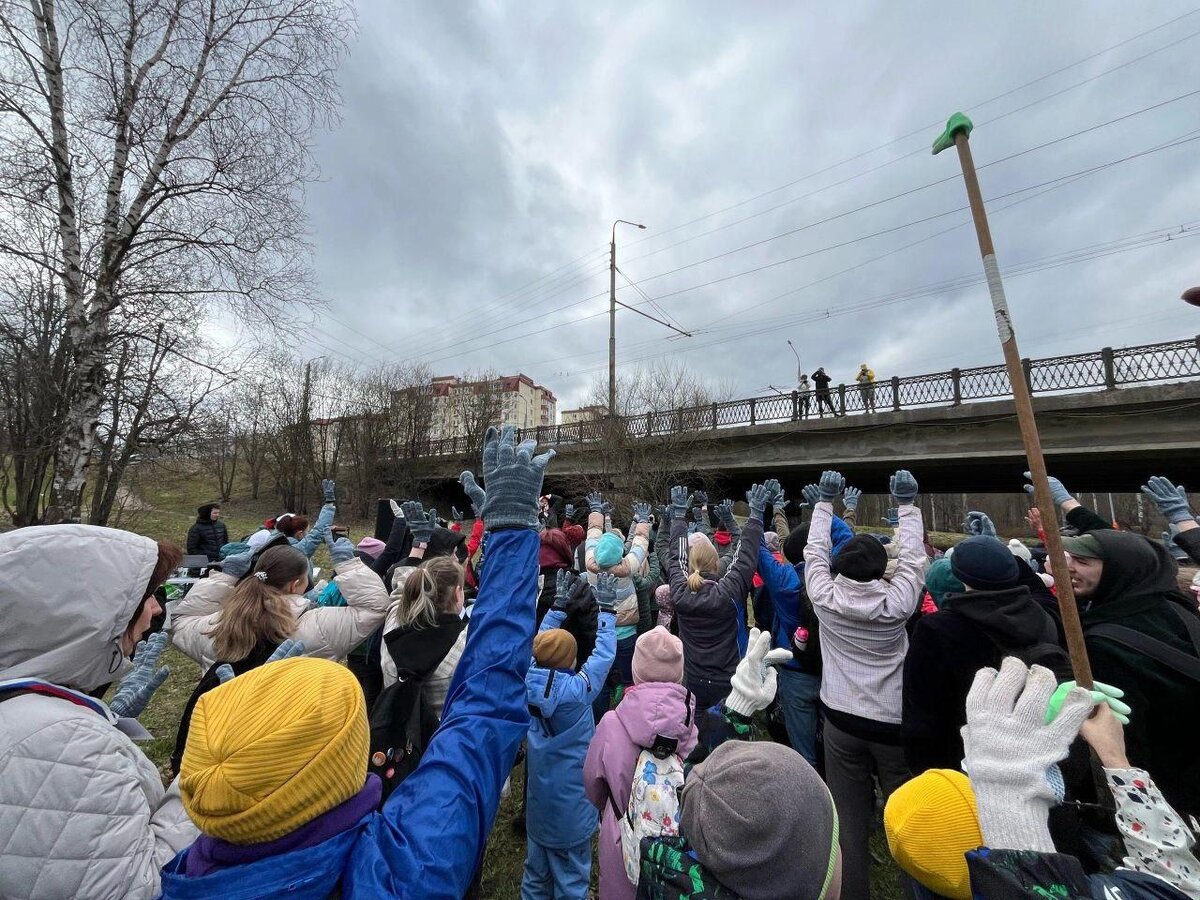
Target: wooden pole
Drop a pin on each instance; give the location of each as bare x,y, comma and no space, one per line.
958,130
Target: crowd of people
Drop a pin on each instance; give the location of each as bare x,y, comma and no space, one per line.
722,706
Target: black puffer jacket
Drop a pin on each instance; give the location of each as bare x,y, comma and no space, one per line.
206,536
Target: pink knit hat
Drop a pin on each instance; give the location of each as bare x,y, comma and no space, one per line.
371,546
698,537
658,656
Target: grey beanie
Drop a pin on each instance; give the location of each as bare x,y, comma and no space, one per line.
762,822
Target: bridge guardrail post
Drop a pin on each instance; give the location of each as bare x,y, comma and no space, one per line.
752,405
956,380
1110,371
795,405
714,416
649,424
679,419
842,399
1027,368
896,393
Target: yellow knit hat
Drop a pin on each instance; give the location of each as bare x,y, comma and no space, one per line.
931,822
273,749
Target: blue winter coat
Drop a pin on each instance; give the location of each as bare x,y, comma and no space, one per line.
430,835
784,582
558,813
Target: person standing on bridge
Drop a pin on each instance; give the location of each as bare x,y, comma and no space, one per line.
866,387
804,389
822,380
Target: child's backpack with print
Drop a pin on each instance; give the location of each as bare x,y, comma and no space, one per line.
653,809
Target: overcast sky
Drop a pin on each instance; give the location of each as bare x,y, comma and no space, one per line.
486,149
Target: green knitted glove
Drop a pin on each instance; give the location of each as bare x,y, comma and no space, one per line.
1101,693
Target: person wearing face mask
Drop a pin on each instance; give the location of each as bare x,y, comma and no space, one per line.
82,810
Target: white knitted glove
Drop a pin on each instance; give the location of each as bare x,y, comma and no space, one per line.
1009,748
754,682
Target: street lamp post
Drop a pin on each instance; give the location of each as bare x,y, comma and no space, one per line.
797,355
612,315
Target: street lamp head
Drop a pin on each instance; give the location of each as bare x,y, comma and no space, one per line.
1192,296
643,227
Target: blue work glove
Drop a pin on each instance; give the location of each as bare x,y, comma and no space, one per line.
641,513
329,489
606,591
513,475
979,524
340,550
595,502
903,487
1058,491
136,688
286,650
455,514
724,512
681,501
811,494
474,493
850,498
775,493
238,564
891,517
700,498
569,512
831,484
757,498
1171,501
419,524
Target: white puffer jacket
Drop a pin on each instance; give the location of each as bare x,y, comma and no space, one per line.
82,810
328,632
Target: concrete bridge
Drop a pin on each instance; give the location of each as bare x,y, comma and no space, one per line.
1107,419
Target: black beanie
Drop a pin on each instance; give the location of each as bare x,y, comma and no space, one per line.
985,564
862,558
794,543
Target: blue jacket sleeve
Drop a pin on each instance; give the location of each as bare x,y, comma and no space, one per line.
316,535
781,582
595,670
554,618
432,830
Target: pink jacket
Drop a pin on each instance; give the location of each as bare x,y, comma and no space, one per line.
646,711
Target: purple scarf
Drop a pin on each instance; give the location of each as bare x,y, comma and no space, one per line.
210,854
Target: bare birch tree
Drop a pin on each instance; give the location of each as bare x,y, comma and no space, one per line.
159,133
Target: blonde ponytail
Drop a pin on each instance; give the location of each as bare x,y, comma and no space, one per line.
701,558
430,590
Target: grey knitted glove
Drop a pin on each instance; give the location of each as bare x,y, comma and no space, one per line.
811,494
474,493
831,484
980,524
569,512
850,498
891,516
700,498
136,688
641,512
340,550
455,514
1171,501
419,524
661,515
680,501
567,587
724,512
238,564
606,591
595,502
1058,491
329,490
775,493
1009,748
513,476
757,498
285,650
903,487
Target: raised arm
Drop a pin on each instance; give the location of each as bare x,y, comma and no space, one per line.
677,552
903,592
736,583
316,535
817,552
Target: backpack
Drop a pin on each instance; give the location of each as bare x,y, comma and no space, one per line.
653,809
1177,660
401,727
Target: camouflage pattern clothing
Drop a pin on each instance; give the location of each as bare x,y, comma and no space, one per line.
671,872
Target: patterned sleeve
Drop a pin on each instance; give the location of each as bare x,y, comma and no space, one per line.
1157,839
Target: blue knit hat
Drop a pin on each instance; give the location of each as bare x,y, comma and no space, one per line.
609,551
985,564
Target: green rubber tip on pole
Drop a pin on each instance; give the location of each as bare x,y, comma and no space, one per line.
957,122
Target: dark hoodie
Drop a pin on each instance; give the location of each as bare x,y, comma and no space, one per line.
1136,586
972,630
206,536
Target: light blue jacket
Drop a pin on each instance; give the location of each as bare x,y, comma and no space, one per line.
429,838
558,813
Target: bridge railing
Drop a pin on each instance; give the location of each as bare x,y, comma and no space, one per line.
1101,369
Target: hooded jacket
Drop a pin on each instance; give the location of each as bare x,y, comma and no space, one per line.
863,636
1137,583
82,810
627,608
206,536
784,584
429,837
647,711
328,632
972,630
558,814
555,553
708,618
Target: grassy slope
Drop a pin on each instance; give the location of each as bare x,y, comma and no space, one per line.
168,503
